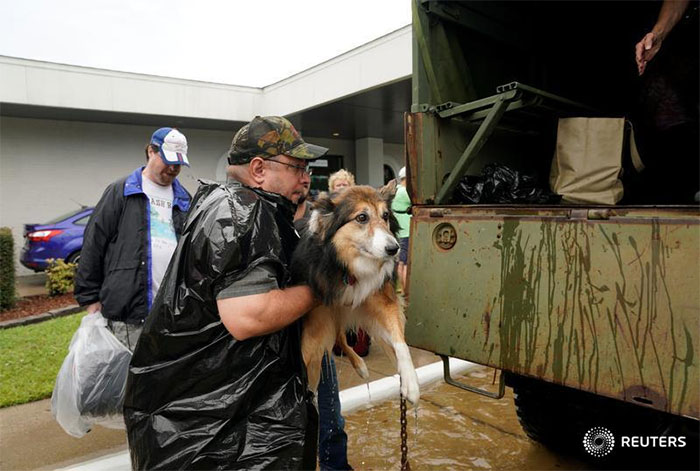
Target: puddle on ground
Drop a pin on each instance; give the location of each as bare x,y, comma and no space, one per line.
454,429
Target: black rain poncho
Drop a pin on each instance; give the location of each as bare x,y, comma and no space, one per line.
196,398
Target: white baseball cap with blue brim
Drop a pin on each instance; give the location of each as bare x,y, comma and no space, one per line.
172,145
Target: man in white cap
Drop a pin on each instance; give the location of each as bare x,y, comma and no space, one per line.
131,236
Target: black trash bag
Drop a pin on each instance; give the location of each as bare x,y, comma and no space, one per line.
469,190
500,184
197,398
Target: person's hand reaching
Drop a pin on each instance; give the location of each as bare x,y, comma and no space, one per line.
670,14
646,49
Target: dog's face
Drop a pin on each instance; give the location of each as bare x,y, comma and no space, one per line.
360,224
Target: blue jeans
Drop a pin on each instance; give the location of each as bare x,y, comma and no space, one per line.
332,440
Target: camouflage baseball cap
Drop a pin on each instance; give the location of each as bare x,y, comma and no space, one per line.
267,137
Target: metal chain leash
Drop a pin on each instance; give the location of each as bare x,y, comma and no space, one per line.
405,466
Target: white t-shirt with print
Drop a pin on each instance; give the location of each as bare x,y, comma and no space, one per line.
163,239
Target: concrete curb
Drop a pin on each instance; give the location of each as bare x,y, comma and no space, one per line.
370,394
52,314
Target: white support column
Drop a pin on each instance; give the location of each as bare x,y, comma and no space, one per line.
369,161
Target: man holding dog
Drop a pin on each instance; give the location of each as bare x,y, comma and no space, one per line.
217,380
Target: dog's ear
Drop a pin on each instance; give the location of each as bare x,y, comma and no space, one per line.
324,203
388,191
321,215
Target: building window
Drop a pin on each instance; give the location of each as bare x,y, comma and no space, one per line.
388,174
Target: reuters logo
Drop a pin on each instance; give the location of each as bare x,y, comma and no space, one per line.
599,441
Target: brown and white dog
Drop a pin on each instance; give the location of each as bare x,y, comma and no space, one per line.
348,257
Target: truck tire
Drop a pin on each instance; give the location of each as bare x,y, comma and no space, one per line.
559,417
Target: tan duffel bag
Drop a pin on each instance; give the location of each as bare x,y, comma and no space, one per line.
588,159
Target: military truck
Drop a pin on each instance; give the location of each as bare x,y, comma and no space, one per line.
589,312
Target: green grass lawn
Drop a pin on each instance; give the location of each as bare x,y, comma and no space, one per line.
30,357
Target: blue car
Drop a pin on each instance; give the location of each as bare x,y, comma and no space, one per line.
60,238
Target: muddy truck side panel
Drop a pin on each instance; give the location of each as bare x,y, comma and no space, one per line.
608,305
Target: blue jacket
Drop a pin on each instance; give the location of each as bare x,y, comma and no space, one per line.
116,257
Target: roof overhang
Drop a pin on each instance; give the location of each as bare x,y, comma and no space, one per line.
45,90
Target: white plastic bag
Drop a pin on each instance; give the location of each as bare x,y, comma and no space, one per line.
91,383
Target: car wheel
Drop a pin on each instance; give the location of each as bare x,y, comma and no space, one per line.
73,258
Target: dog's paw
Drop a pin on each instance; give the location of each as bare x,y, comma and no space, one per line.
362,370
410,388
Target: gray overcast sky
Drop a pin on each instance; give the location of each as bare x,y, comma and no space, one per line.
241,42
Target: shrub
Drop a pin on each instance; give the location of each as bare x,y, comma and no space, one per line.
7,269
59,276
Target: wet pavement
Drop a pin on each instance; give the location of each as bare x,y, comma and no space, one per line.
450,429
31,439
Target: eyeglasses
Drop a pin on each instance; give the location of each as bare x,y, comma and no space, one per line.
299,169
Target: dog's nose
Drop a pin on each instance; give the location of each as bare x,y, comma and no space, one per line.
392,249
